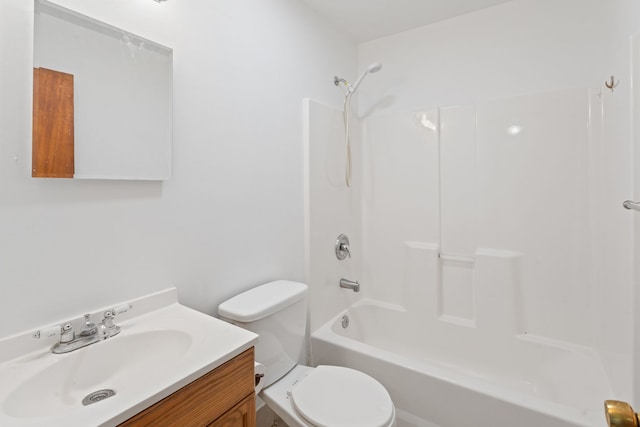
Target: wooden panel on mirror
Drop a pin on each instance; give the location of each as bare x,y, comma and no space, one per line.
53,151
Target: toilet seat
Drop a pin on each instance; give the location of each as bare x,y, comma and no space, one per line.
333,396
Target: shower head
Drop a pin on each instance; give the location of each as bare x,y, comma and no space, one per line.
373,68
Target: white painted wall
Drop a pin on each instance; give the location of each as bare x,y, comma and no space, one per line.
230,218
531,47
519,47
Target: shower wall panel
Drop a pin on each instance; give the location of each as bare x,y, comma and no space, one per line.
400,196
533,192
331,209
499,196
457,213
458,183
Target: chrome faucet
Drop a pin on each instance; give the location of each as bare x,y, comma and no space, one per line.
90,333
349,284
89,328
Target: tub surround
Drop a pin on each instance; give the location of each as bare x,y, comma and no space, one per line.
163,346
544,172
487,257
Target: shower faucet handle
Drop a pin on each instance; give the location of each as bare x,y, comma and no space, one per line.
345,248
342,247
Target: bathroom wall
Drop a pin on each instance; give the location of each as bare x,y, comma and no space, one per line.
230,218
552,194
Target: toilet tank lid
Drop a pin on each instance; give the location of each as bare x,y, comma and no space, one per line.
262,301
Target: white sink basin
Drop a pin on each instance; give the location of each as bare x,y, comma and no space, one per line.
111,364
157,353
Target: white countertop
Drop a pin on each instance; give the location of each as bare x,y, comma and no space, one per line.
163,346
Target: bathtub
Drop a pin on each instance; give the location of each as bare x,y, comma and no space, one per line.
444,375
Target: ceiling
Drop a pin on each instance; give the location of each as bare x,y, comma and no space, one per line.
370,19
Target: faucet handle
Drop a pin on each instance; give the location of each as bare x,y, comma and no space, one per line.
345,248
108,319
67,334
64,333
118,309
110,314
342,247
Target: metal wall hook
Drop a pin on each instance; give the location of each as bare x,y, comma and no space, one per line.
612,83
628,204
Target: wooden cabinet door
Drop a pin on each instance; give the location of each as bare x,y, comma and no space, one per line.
241,415
53,127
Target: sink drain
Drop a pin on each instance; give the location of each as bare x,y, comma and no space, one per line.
97,396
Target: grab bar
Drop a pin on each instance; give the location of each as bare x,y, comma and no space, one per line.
456,258
628,204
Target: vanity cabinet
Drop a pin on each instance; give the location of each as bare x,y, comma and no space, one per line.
223,397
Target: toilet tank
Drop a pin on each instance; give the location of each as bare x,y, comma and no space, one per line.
277,312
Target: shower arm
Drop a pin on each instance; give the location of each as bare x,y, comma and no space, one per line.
337,80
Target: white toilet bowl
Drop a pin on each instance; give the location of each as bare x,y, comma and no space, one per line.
330,396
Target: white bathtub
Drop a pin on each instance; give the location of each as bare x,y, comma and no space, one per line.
451,376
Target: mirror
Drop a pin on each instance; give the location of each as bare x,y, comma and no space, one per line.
102,100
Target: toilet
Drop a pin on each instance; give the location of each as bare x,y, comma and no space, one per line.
303,396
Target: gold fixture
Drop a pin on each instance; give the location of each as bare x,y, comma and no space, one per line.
620,414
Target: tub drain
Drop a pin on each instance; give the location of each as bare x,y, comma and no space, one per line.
97,396
345,321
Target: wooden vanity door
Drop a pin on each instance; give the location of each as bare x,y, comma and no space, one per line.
53,135
241,415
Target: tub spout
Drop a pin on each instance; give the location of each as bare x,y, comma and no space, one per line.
349,284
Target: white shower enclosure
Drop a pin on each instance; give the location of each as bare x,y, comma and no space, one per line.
481,224
490,167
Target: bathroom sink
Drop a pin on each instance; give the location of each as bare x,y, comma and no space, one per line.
112,365
161,348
